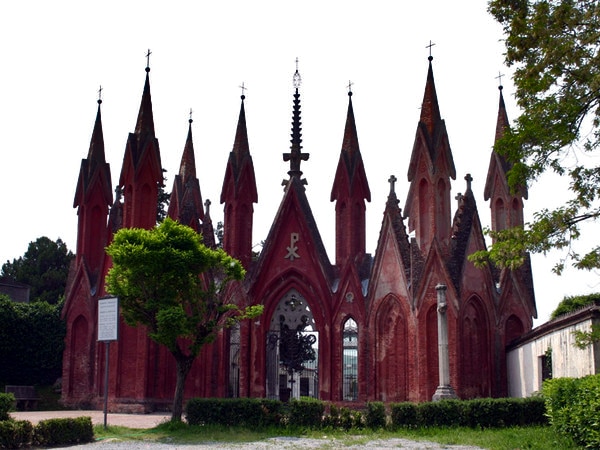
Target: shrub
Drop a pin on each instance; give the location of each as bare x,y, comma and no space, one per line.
69,431
306,413
248,412
344,418
376,417
573,405
404,415
15,433
7,402
445,413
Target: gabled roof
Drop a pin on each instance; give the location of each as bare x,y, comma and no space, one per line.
466,223
294,209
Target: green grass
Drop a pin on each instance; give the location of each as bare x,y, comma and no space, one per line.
530,438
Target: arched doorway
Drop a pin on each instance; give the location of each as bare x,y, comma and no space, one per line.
292,350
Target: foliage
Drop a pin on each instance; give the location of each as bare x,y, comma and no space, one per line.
553,45
376,417
573,303
242,412
343,418
164,198
31,342
476,413
306,413
15,433
573,406
44,267
168,281
69,431
6,404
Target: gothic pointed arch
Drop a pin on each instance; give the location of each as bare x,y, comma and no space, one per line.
292,349
476,370
350,336
391,356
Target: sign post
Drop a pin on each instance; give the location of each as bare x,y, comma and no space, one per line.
108,330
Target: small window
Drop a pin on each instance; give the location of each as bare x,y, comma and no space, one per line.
350,360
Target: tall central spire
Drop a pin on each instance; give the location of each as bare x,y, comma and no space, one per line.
296,156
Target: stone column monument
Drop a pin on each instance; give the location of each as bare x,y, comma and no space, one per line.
444,390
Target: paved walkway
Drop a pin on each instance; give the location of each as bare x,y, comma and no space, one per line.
125,420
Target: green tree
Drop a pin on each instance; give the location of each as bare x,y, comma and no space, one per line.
167,280
553,47
44,267
31,342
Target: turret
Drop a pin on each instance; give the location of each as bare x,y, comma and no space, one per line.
506,205
429,173
141,173
238,194
350,190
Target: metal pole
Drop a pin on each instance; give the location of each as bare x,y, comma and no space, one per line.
106,381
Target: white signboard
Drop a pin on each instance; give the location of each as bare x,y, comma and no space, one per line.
108,319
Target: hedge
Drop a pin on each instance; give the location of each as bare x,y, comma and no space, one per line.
310,413
573,406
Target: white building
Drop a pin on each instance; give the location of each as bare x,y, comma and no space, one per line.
549,351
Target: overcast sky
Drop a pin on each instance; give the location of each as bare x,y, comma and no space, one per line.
56,54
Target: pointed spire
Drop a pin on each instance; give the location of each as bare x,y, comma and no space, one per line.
430,109
145,120
502,123
350,143
296,156
96,152
187,168
240,144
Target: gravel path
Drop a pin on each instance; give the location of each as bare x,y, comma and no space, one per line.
288,443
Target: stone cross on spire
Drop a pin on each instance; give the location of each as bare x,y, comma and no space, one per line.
392,180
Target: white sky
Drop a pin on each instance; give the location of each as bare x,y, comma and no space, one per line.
55,55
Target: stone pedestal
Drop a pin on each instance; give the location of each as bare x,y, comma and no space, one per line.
444,393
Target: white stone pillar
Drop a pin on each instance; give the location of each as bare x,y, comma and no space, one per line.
444,390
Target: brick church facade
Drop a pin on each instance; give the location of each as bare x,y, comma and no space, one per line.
363,328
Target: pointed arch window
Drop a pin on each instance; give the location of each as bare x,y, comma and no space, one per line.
350,360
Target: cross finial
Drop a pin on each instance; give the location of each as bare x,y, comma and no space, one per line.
207,205
100,94
499,78
244,89
458,198
468,179
297,78
350,84
431,44
148,60
190,119
392,180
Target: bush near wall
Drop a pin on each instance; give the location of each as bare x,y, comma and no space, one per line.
310,413
573,406
244,412
15,433
47,433
476,413
7,402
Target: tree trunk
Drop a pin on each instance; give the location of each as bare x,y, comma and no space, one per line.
183,365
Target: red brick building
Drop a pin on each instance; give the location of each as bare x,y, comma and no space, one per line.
362,328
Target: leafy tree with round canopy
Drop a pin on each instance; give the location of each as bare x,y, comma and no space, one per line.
553,46
167,280
44,267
